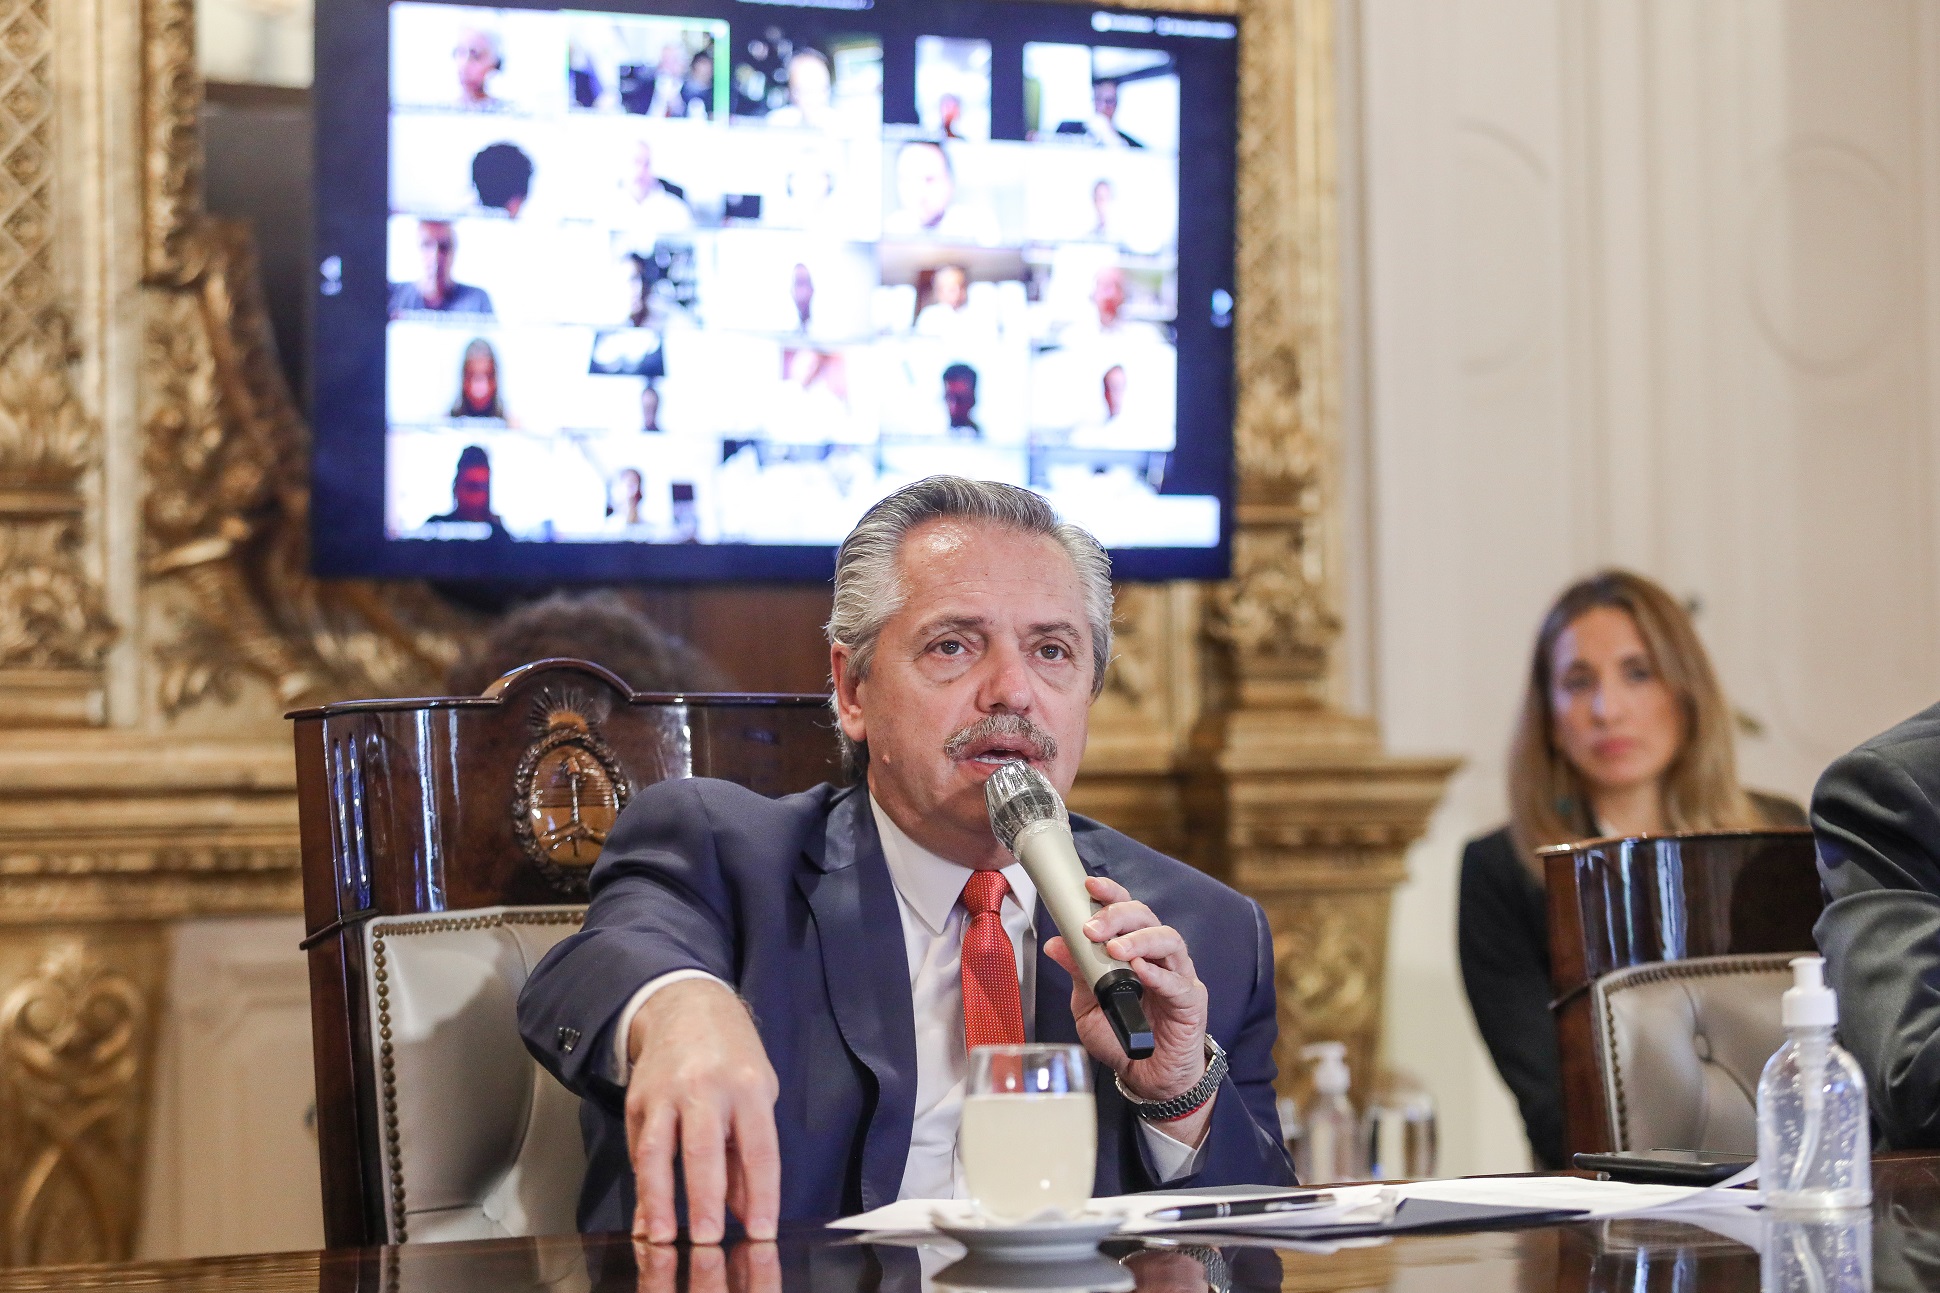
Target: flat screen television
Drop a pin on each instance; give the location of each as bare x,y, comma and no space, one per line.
653,290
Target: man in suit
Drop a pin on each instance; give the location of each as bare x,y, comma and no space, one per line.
782,991
1876,816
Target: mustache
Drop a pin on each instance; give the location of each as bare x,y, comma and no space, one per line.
1037,742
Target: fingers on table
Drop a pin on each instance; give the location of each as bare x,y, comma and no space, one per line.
756,1160
658,1266
654,1143
703,1160
754,1268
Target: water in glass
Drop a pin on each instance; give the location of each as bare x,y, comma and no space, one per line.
1029,1138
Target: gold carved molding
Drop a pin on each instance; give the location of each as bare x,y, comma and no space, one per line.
54,628
77,1025
1278,617
28,290
172,211
226,513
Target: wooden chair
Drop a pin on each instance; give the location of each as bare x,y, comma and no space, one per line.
1620,903
483,815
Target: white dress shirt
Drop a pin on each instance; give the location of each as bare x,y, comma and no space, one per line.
928,889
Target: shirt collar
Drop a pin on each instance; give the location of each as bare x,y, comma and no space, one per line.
931,885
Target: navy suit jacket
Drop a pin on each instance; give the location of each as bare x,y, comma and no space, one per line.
791,901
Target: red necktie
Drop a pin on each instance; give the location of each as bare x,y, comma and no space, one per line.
992,1014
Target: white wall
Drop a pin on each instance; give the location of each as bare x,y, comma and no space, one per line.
232,1153
1644,282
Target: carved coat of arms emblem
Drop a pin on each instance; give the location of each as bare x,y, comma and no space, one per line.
568,790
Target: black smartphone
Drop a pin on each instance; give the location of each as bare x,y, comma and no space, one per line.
1665,1166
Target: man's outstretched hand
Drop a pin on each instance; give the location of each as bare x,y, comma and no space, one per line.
702,1088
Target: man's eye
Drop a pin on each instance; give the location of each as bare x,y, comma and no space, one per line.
949,648
1052,651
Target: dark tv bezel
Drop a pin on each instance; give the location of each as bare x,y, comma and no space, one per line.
348,458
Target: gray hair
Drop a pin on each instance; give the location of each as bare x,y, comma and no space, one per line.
869,591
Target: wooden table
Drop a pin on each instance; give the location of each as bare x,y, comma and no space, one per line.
1616,1255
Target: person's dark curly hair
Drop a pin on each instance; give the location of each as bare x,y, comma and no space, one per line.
600,627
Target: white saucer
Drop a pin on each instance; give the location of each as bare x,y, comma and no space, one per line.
1031,1241
986,1273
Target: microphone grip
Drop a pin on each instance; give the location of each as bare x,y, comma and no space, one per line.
1051,861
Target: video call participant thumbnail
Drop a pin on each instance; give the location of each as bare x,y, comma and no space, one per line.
435,290
960,401
678,86
471,494
719,1049
649,207
502,177
927,200
949,316
1101,127
478,56
627,493
478,390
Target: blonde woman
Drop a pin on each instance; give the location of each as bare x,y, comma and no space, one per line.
1623,731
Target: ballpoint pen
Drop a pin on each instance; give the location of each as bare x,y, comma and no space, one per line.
1244,1207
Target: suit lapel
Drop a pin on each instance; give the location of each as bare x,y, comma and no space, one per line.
1054,1021
866,967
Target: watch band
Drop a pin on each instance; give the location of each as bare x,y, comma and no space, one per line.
1186,1101
1219,1276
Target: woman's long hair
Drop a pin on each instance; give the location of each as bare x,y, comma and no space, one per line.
1548,799
462,407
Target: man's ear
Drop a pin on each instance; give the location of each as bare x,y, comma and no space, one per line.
848,689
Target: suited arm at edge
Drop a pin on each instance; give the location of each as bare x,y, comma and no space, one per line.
1878,835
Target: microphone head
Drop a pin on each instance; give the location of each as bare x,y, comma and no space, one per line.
1017,796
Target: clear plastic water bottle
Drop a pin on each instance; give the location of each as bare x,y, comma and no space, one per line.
1398,1132
1291,1130
1814,1142
1827,1253
1327,1151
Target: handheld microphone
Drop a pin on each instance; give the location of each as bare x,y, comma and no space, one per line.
1029,819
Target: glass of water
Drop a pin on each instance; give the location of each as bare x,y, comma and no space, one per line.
1029,1137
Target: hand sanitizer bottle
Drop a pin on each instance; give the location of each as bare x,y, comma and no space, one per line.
1814,1142
1328,1147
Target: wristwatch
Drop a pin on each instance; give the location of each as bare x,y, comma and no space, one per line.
1219,1276
1186,1101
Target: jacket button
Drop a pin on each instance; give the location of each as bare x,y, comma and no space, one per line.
568,1038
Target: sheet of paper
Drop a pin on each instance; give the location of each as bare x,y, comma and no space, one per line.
1354,1203
1598,1198
915,1215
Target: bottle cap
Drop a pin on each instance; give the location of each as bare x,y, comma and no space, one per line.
1808,1003
1330,1066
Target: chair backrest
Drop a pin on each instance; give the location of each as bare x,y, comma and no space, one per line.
479,1141
1680,1046
455,808
1618,903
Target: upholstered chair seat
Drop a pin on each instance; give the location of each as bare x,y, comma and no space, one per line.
479,1142
1681,1044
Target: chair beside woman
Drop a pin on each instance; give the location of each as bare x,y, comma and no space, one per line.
1623,731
